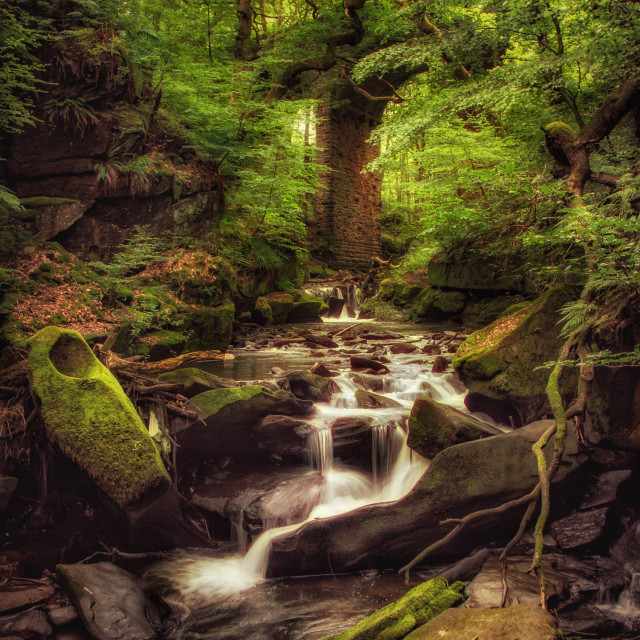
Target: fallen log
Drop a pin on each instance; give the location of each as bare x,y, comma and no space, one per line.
117,365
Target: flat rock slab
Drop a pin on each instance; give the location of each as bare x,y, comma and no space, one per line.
16,595
112,603
579,529
520,622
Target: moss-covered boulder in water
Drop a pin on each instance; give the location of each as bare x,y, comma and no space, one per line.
227,417
209,327
90,419
503,360
434,426
307,309
195,381
522,621
415,608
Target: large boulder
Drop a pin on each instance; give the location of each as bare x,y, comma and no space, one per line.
281,305
226,418
308,386
112,603
503,360
475,273
435,304
209,327
522,622
434,426
307,308
461,479
89,418
283,435
416,607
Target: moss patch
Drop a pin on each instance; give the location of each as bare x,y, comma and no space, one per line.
399,618
209,327
90,419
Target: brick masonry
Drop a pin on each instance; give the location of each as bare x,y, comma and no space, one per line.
348,204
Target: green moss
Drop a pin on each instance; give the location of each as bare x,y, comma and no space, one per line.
504,358
262,313
281,305
38,202
212,402
90,419
561,130
209,327
307,308
418,606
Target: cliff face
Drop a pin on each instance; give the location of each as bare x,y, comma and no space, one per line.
101,160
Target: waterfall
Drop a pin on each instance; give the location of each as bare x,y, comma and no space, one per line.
321,446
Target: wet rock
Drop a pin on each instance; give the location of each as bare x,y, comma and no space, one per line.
440,365
259,499
283,435
358,363
566,576
504,360
371,382
434,426
17,594
417,606
524,621
319,369
320,339
403,347
431,349
62,616
498,409
112,603
579,530
30,624
370,400
352,440
227,417
281,305
467,568
461,479
604,491
335,307
309,386
195,381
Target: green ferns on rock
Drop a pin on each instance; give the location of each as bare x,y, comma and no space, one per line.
89,418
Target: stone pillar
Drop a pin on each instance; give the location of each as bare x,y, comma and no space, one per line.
348,204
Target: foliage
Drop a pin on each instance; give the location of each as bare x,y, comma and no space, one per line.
18,67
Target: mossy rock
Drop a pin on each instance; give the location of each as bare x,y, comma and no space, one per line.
387,289
522,621
482,311
474,273
436,304
281,305
164,344
503,360
195,381
209,327
89,418
227,417
307,308
415,608
434,426
262,313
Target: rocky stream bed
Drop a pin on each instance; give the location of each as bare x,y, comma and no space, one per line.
299,483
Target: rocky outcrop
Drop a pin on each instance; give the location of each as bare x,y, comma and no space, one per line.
505,359
308,386
434,426
461,479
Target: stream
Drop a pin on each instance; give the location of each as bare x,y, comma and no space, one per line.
226,594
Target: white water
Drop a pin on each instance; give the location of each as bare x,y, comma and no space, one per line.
396,470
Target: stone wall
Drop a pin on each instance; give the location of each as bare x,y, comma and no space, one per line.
348,204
